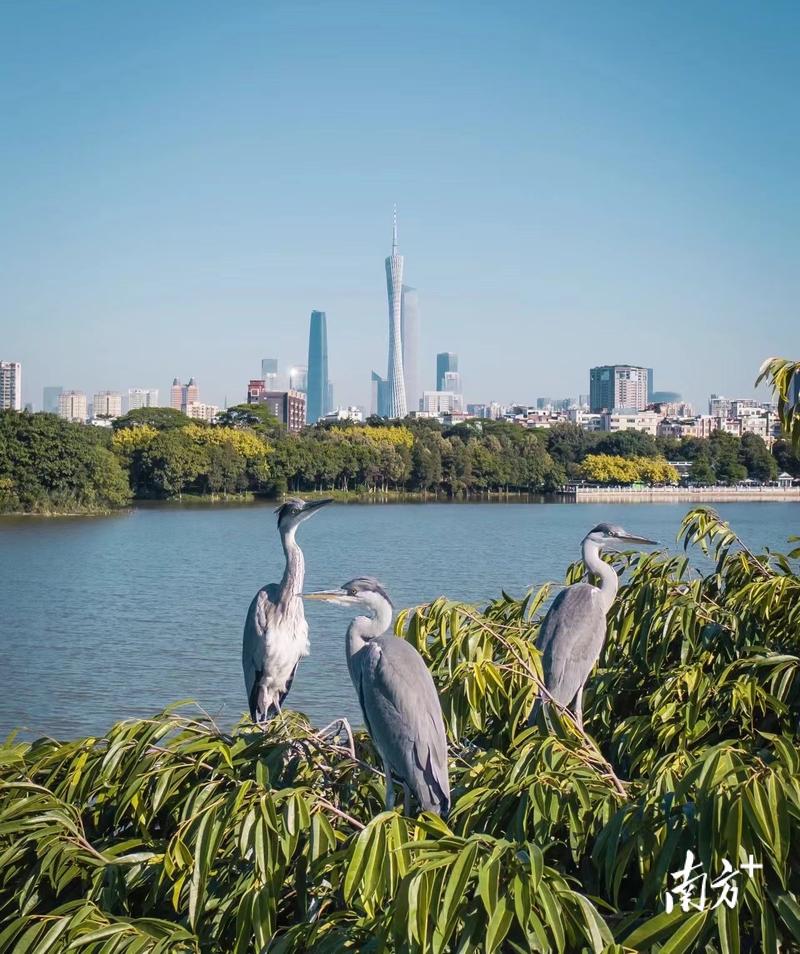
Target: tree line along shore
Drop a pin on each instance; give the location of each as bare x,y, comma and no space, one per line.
48,465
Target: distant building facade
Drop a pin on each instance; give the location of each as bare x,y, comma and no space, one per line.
317,391
452,382
288,406
435,403
10,385
202,412
446,362
409,333
107,404
298,379
72,406
618,387
142,397
269,373
181,395
50,398
379,404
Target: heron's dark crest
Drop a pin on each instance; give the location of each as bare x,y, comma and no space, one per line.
367,584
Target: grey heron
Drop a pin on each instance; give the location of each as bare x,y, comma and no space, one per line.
275,631
573,631
398,698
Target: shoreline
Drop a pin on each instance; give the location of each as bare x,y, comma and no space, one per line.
568,495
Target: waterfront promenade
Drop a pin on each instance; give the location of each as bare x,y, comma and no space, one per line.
580,493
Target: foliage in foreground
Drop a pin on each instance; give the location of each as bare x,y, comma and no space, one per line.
169,835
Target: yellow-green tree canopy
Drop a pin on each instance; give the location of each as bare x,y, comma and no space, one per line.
608,469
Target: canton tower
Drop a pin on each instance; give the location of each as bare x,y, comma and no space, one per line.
395,383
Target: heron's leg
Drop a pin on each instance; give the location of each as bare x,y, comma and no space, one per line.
579,709
406,799
389,786
547,720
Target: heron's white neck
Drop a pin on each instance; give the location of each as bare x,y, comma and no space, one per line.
295,572
609,581
365,628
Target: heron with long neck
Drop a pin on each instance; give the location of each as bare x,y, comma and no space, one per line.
398,698
573,631
275,631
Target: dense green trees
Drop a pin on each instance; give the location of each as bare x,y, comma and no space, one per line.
47,464
51,466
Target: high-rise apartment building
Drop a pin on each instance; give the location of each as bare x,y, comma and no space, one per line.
269,373
202,412
409,333
142,397
50,399
618,387
181,395
317,394
397,406
446,362
10,385
72,406
107,404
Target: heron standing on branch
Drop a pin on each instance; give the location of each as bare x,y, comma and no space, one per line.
275,631
399,701
573,631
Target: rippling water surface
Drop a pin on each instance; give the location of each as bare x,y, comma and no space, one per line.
110,617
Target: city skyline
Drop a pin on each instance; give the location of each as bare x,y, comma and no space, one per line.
590,178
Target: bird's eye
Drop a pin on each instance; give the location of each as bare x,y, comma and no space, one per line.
353,591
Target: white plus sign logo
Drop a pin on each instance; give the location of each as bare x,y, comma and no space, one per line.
750,866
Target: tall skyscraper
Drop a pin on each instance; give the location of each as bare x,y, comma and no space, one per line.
176,395
445,361
50,399
142,397
410,337
317,400
397,406
269,373
618,387
10,385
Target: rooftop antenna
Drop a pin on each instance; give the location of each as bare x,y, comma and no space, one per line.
394,232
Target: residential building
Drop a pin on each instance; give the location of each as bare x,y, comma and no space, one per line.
409,333
446,362
107,404
645,421
317,394
181,395
288,406
298,379
202,412
142,397
618,387
269,373
396,388
10,385
176,395
72,406
719,406
50,398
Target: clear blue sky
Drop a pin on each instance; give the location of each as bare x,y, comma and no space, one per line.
577,183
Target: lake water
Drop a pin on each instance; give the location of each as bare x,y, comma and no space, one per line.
111,617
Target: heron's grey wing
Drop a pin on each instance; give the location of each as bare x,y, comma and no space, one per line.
404,717
256,627
570,639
